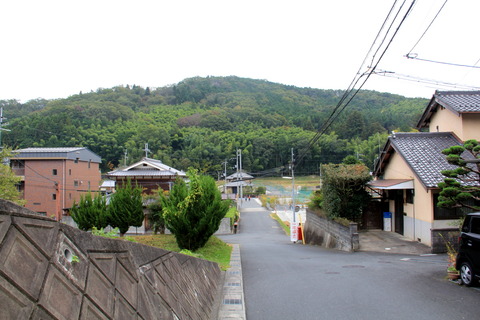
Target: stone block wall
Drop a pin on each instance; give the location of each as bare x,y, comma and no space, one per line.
440,236
327,233
49,270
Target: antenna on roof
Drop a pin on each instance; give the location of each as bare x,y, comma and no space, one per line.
1,129
146,150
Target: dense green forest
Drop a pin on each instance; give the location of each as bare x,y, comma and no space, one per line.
200,122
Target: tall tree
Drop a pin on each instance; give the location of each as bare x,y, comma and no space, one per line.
461,187
343,190
125,208
193,212
90,212
8,179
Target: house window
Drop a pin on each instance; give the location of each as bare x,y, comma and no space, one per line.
54,196
76,160
75,183
453,213
69,172
54,172
89,161
69,196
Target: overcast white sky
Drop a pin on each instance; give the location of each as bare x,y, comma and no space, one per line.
53,49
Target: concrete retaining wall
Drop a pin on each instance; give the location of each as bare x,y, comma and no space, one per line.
327,233
49,270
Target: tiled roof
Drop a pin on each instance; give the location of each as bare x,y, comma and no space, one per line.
142,173
239,176
456,101
423,153
147,167
460,101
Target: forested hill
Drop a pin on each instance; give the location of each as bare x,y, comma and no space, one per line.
200,122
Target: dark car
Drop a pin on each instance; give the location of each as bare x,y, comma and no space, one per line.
468,257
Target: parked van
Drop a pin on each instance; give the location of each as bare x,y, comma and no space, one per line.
468,257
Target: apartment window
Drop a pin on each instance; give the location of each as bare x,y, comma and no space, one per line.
89,161
69,172
54,196
54,172
75,183
70,196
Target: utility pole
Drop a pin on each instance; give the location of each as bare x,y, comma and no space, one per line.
293,189
225,179
241,177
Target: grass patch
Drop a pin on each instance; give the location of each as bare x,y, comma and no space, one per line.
215,250
304,181
284,225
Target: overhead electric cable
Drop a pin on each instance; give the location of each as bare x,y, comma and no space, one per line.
424,32
334,115
414,56
391,74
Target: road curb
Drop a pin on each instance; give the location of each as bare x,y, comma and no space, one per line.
232,305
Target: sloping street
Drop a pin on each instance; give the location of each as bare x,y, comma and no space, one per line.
283,280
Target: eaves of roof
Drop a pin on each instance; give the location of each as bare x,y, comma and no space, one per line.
457,102
422,151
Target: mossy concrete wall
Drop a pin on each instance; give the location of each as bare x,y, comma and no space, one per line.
49,270
330,234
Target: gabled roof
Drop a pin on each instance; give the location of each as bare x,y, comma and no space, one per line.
457,102
73,153
147,167
422,151
239,176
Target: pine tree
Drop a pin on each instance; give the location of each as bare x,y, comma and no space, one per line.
193,213
461,187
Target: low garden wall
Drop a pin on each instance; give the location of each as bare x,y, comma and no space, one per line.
49,270
330,234
441,236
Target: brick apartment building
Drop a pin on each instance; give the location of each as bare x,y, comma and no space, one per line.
53,178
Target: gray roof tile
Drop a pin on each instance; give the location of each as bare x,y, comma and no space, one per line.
423,153
460,101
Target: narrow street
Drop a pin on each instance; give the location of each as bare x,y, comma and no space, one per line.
283,280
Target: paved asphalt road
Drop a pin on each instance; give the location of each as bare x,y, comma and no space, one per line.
283,280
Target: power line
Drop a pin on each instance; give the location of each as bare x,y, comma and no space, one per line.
339,107
391,74
414,56
424,32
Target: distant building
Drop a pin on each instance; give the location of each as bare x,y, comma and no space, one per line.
150,174
53,178
236,181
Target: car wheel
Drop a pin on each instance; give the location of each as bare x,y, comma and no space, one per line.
466,274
